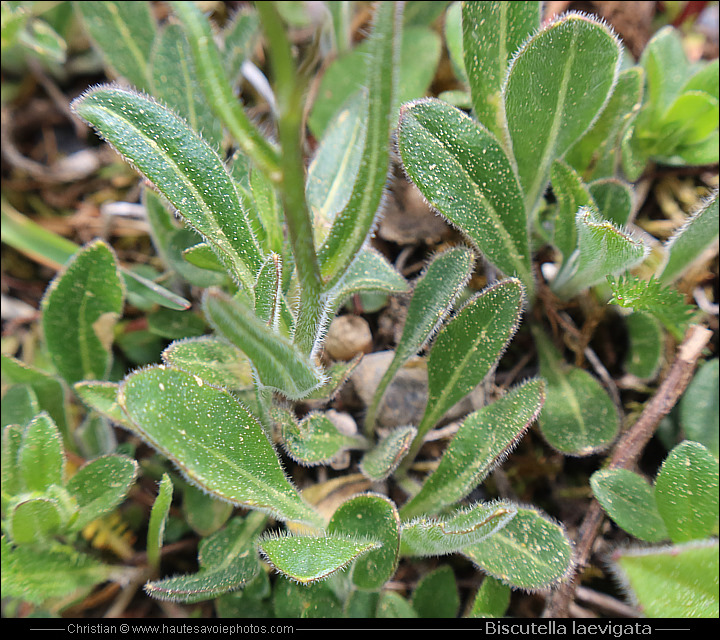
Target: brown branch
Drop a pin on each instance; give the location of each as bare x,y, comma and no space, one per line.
627,451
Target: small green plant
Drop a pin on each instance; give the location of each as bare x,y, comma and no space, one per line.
278,242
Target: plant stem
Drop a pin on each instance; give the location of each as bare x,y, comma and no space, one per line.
289,88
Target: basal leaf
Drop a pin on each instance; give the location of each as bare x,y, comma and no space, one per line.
19,405
437,595
379,463
647,346
393,605
158,518
691,240
376,517
214,360
213,440
239,37
432,299
279,364
571,194
307,559
666,71
34,521
556,87
123,32
614,200
41,459
102,397
228,560
579,417
530,552
492,33
491,600
80,308
672,582
629,500
699,407
603,250
204,513
686,492
268,291
12,482
183,167
314,600
450,533
464,173
485,437
101,485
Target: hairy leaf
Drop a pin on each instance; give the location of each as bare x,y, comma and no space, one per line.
158,518
647,345
41,459
614,200
436,595
379,463
699,407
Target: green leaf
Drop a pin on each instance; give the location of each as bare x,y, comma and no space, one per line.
690,241
35,575
12,482
361,604
214,360
666,71
434,294
686,492
557,85
41,459
664,303
153,293
597,153
123,32
352,224
239,37
393,605
491,600
315,600
219,90
182,166
464,173
227,562
269,211
629,500
603,250
530,553
182,240
175,83
672,582
469,346
443,535
101,485
19,405
34,521
646,346
579,417
268,291
279,364
376,517
614,200
705,79
204,513
80,308
307,559
380,462
174,325
48,389
213,440
102,397
437,595
332,172
492,33
485,437
158,518
315,440
571,194
338,374
699,407
692,117
454,43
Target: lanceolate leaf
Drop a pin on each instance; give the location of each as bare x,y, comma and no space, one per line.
212,439
102,397
182,166
40,459
228,560
449,534
464,173
435,291
556,87
699,407
530,552
571,194
603,250
352,224
79,310
278,363
268,291
436,595
374,516
485,436
492,34
378,463
469,346
689,242
214,360
307,559
158,518
124,33
628,499
34,521
614,200
492,599
647,346
579,417
686,492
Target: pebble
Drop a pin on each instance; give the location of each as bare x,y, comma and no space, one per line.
348,336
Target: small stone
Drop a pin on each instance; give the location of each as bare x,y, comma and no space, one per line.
348,336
